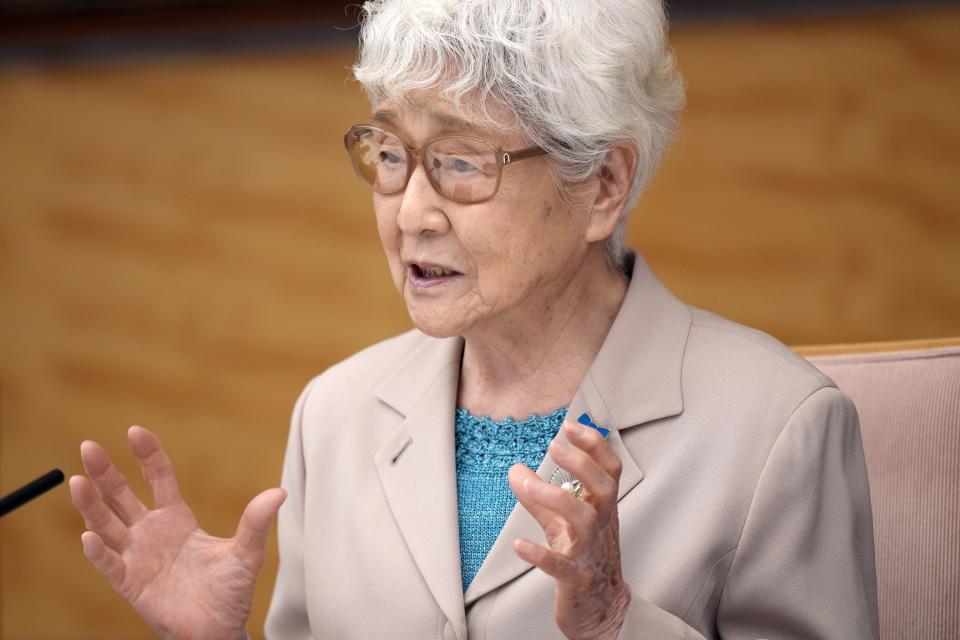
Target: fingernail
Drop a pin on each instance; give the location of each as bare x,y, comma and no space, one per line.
560,446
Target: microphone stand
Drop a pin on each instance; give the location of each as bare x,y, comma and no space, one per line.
30,491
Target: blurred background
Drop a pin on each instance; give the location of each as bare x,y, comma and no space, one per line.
183,244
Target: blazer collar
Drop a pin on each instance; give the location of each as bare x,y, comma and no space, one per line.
635,378
637,371
417,468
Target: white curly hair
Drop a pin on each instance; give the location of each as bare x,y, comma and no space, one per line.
576,76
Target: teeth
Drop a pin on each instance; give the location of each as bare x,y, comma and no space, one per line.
435,272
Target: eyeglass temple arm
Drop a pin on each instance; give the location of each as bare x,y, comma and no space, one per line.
513,156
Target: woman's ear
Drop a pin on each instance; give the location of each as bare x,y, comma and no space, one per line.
615,179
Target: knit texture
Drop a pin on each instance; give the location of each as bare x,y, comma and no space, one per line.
486,449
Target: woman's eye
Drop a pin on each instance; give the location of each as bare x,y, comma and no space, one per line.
462,166
390,157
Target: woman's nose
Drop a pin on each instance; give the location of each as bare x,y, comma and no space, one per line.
421,207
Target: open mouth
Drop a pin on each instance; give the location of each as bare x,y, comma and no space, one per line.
433,272
425,276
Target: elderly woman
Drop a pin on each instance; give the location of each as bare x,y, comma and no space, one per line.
561,448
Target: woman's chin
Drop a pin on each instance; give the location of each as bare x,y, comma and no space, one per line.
436,329
435,323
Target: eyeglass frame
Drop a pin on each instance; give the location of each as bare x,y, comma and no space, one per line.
502,156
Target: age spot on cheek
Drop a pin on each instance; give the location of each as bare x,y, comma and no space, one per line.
547,209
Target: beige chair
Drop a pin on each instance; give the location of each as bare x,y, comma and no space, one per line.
908,398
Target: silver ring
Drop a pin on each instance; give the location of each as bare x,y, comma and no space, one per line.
574,488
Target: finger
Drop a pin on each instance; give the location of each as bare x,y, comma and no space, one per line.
596,446
601,488
550,562
517,476
112,484
256,521
156,466
546,501
107,561
96,514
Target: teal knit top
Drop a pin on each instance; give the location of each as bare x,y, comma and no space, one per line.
486,449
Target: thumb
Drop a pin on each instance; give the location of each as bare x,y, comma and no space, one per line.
256,521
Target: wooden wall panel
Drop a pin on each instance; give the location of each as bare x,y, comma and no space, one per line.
182,245
813,191
183,248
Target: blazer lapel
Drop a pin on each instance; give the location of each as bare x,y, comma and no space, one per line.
634,379
417,469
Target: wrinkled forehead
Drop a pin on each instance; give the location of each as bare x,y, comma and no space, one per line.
470,115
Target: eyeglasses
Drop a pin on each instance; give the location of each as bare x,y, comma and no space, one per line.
463,169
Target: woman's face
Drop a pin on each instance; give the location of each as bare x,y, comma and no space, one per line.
507,258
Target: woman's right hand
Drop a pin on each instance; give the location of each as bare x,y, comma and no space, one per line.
185,583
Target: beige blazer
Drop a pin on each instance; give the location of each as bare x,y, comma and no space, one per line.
744,505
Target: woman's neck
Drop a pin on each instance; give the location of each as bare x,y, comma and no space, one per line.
534,361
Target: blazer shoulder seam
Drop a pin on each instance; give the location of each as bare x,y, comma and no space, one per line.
767,348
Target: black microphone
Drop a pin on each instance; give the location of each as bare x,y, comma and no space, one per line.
30,491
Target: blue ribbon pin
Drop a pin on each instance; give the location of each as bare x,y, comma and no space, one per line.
586,421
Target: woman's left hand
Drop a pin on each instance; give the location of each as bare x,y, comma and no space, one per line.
583,535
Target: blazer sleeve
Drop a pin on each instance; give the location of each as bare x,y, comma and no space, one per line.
287,616
804,565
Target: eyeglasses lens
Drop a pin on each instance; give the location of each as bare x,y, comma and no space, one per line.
379,158
461,169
